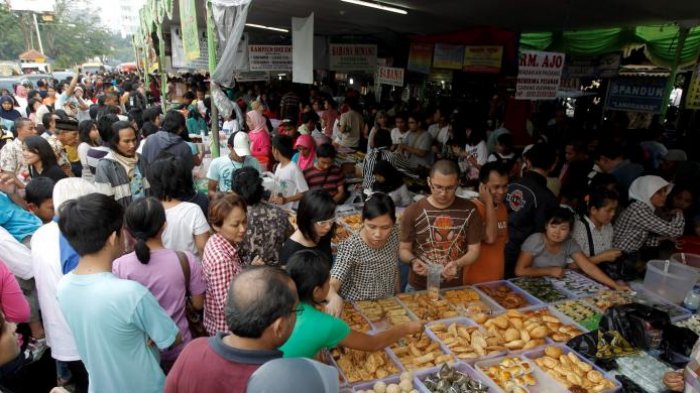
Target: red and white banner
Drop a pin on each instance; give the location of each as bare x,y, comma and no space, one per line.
539,75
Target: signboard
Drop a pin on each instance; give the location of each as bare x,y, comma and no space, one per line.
270,57
448,56
603,66
353,57
483,59
539,75
178,51
636,94
390,76
37,6
188,22
692,100
420,57
252,76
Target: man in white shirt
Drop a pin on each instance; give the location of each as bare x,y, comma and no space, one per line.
51,259
221,169
398,134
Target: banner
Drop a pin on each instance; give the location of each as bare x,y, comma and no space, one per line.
180,61
483,59
270,57
188,23
353,57
252,76
448,56
420,57
636,94
390,76
38,6
539,75
692,100
303,49
603,66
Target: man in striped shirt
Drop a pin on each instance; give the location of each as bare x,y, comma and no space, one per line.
325,174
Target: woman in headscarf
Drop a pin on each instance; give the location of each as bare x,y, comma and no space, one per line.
7,109
306,152
260,145
641,225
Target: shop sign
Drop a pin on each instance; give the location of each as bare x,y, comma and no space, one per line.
179,57
353,57
539,75
636,94
270,57
448,56
692,100
483,59
252,76
420,57
188,24
390,76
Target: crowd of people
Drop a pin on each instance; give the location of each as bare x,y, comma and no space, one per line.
135,280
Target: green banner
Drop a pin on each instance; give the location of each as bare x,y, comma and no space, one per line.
188,24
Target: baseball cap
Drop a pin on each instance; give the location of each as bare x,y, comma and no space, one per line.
294,375
240,142
676,155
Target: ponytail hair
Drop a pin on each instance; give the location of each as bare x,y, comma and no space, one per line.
144,219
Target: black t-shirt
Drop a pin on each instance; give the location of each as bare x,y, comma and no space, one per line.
290,247
53,172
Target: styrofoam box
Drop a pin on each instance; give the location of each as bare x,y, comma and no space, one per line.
464,368
537,353
464,322
533,301
545,384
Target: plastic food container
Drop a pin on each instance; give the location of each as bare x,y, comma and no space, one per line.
460,322
541,288
544,383
581,312
385,312
538,353
487,287
459,366
328,359
644,370
436,349
472,307
684,258
576,284
424,306
644,296
670,280
396,379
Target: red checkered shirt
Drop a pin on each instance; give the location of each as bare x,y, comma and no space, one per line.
220,265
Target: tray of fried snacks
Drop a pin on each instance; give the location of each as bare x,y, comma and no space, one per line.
580,312
516,332
404,383
354,319
508,295
572,371
352,221
607,298
541,288
576,284
466,340
470,302
459,378
426,307
517,375
341,233
420,351
360,366
384,313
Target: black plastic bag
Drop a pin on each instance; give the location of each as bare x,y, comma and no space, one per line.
587,345
641,325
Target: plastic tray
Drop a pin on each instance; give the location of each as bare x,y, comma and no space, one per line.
495,307
432,338
645,296
563,292
649,377
328,359
461,367
537,353
408,307
583,303
533,301
545,384
389,380
464,322
571,275
384,323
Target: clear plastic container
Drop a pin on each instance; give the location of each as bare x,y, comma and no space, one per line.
434,277
531,300
459,366
692,260
461,322
544,383
670,280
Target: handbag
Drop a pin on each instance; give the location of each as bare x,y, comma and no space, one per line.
194,317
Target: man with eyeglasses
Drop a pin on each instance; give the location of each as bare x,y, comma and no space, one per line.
261,311
441,229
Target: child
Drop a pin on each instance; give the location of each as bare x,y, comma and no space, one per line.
39,197
547,254
315,330
290,184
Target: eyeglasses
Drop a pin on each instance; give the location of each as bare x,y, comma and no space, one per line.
329,221
443,188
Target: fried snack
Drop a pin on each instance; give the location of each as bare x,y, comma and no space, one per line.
572,372
383,309
512,374
426,308
468,342
505,296
354,319
417,352
341,233
467,301
354,221
528,330
607,298
360,366
577,310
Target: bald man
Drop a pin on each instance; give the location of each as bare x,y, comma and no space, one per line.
261,312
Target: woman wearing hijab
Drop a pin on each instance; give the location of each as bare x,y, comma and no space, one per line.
640,224
7,109
260,146
306,152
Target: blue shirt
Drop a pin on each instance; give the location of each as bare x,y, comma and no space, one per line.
111,320
222,168
17,221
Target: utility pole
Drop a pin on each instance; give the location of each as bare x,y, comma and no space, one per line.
38,33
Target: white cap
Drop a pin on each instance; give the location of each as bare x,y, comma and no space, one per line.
241,143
